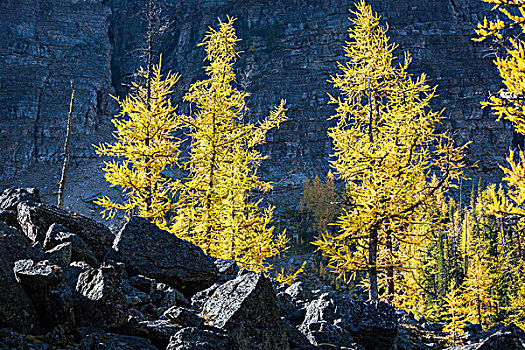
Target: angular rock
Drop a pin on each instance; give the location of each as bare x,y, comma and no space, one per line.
373,326
320,325
199,299
149,251
165,296
9,217
60,255
52,297
158,332
10,197
14,246
99,301
58,234
36,218
246,308
111,341
12,340
499,337
196,339
16,308
182,317
298,293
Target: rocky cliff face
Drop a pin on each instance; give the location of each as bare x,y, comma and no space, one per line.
290,50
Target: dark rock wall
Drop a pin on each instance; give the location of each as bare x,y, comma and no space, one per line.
290,49
44,45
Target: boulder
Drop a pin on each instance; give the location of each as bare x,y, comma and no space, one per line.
35,220
498,337
158,332
45,284
328,336
98,300
149,251
58,234
196,339
9,217
111,341
14,246
10,197
298,293
373,326
60,255
246,308
183,317
164,296
321,323
16,308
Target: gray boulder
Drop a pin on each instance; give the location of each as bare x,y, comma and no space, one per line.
111,341
321,324
158,332
499,337
45,284
58,234
60,255
16,308
36,218
197,339
183,317
10,197
149,251
246,308
374,326
99,302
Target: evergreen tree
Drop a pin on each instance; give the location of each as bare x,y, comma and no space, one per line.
385,146
477,294
455,314
145,145
215,209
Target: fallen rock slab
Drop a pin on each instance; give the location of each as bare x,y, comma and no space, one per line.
10,197
192,338
246,308
45,284
98,301
149,251
58,234
36,218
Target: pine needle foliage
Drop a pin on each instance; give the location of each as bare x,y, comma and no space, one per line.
455,314
145,145
216,209
385,149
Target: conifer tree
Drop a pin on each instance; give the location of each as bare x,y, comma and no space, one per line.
145,145
455,314
385,146
477,292
215,209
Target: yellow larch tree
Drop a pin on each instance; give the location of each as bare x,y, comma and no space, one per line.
385,147
455,314
477,294
145,145
216,209
509,102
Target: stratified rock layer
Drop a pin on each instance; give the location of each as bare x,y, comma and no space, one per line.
290,51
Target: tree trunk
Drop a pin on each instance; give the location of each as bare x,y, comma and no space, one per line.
390,269
372,267
67,143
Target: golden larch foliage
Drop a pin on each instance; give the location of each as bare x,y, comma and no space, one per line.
216,209
385,148
145,145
